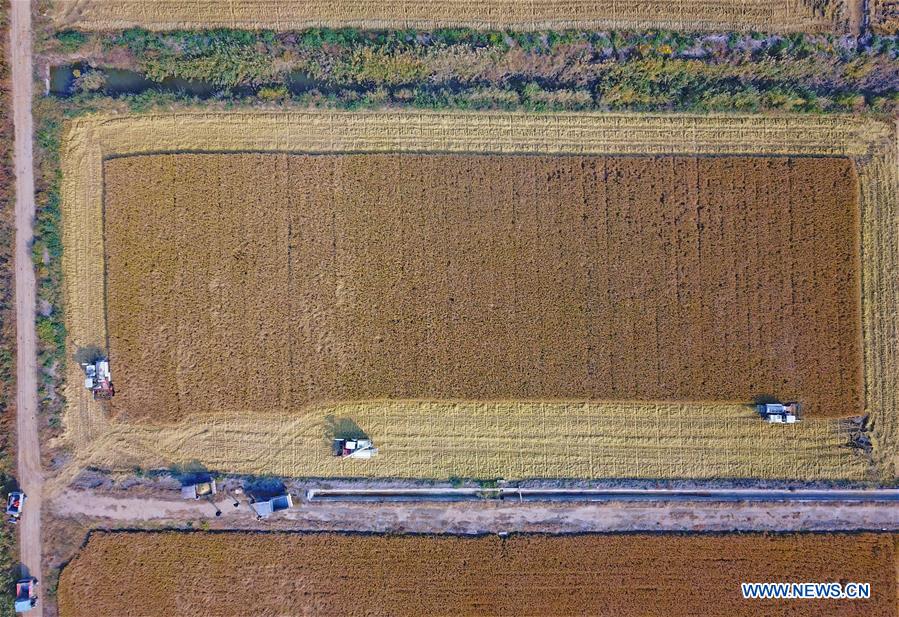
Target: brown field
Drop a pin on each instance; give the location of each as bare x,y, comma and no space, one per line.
269,283
222,574
741,15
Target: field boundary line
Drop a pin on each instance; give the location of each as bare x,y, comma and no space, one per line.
819,454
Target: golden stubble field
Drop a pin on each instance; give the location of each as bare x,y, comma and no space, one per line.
516,439
639,575
714,15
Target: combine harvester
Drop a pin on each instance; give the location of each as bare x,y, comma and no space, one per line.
354,448
780,413
98,379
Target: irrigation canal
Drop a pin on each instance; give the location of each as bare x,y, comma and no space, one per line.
595,495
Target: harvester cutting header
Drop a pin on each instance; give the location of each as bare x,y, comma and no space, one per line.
98,379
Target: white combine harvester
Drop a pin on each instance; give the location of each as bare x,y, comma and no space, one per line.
779,413
98,379
354,448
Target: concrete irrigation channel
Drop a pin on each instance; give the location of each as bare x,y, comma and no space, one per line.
599,495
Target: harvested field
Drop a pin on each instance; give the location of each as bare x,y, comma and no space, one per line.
488,440
186,574
268,283
521,439
717,15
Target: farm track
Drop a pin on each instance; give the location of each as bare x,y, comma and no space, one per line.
30,475
573,511
714,15
815,453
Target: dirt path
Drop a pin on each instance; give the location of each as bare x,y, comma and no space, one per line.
485,516
29,462
856,10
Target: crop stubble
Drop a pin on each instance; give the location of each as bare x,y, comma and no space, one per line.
186,574
715,15
266,283
293,446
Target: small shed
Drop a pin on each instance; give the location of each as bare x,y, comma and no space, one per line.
196,491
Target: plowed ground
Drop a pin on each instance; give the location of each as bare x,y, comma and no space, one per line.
224,574
269,282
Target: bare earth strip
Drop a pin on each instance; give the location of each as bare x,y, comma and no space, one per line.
510,439
716,15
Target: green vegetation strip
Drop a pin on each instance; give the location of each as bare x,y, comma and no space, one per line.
533,71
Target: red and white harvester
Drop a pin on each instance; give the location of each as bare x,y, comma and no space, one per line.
98,379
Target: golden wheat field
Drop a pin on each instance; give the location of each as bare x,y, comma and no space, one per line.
717,15
221,574
508,439
268,283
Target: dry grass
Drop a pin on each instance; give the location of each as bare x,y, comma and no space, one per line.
716,15
885,17
221,574
814,452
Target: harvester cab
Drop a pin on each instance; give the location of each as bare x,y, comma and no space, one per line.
780,413
26,594
98,379
15,501
354,448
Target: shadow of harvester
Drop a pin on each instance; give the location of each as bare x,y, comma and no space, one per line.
342,428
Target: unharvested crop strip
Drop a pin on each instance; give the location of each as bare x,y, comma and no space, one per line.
717,15
555,292
813,452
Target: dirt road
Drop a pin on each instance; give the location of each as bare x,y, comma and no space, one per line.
29,462
483,516
857,10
